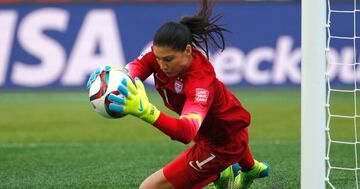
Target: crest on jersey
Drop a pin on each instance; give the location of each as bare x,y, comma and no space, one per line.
201,95
178,86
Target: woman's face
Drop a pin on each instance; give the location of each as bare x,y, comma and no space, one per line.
173,62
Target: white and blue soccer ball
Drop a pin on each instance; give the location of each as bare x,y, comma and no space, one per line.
103,85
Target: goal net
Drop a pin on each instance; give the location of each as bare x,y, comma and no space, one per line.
342,114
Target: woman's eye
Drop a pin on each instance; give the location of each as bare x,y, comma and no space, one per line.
168,59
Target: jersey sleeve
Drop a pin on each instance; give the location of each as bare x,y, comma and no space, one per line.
198,102
199,98
141,67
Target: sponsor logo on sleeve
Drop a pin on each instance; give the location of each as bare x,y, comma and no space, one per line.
201,95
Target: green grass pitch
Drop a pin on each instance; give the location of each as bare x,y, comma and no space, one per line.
55,140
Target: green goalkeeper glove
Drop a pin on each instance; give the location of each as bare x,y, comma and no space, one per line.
134,102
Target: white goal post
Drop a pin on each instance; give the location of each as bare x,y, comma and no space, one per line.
313,94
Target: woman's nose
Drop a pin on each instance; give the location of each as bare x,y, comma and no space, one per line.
163,66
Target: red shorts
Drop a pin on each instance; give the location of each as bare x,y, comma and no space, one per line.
196,167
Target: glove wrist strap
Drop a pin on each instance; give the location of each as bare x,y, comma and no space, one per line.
151,115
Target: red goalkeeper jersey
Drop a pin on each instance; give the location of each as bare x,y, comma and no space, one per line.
204,104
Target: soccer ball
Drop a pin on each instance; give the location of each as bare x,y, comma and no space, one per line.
105,84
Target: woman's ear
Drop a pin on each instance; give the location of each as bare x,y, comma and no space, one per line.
188,50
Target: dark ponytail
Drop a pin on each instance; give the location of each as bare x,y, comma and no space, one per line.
198,30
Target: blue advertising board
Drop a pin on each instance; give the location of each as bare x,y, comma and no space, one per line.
59,45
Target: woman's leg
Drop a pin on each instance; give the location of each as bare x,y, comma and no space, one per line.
247,161
156,181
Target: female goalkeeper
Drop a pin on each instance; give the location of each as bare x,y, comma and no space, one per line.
210,115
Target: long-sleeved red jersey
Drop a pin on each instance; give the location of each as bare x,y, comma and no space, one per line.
209,113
